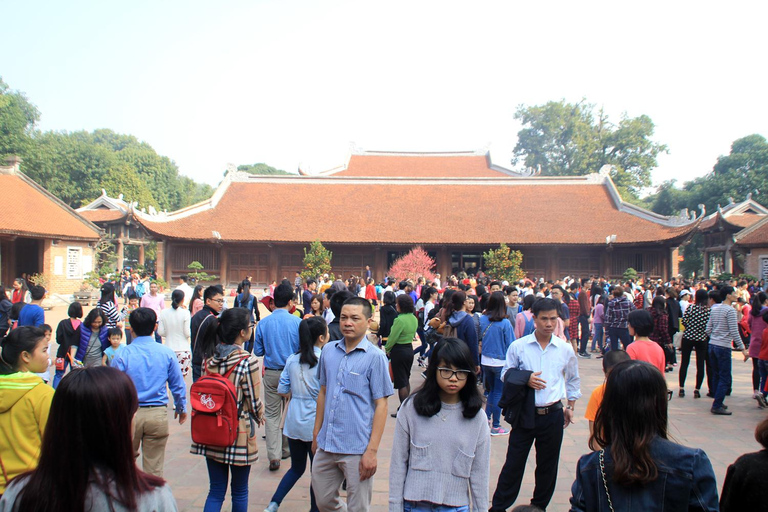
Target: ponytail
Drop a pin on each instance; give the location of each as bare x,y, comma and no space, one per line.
177,297
309,330
21,339
224,329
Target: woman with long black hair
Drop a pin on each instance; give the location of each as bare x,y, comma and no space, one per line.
441,449
387,316
300,382
196,302
94,339
639,468
108,305
173,326
222,349
89,465
695,338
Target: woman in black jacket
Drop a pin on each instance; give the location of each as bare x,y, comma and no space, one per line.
67,334
387,316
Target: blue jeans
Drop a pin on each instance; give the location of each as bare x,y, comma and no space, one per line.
618,333
721,368
60,373
762,366
492,376
423,506
218,474
597,337
423,339
299,452
584,323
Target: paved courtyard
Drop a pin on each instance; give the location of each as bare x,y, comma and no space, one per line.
722,438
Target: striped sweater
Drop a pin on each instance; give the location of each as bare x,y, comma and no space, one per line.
722,327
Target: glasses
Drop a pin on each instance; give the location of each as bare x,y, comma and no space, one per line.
220,301
447,373
252,325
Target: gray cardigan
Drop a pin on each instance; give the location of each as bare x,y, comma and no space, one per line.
442,459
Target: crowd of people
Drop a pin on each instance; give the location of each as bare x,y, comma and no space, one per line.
488,350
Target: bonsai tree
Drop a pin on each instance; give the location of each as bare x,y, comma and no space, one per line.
504,264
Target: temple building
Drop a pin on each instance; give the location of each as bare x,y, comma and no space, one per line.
39,234
379,205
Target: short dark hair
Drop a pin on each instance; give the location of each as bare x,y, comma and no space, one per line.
338,299
405,303
403,285
574,286
545,304
283,295
115,331
212,291
184,277
614,357
359,301
388,298
46,328
37,292
75,310
310,281
715,296
725,291
142,321
641,321
91,316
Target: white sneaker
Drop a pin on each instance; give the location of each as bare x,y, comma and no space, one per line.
272,507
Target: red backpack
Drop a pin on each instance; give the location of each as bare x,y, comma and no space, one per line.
215,415
639,300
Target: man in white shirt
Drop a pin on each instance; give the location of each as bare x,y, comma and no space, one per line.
184,287
555,376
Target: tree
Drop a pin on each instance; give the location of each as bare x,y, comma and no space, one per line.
261,169
414,264
504,264
197,275
317,260
570,140
629,275
17,121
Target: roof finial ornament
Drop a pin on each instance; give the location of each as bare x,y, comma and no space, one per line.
605,170
749,196
103,193
730,200
703,210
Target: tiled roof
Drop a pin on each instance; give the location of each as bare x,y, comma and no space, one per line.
738,221
28,210
422,166
102,215
534,211
754,236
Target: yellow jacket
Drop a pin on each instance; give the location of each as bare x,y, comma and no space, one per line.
25,401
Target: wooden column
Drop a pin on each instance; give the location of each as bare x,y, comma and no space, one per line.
379,269
141,254
443,263
159,261
120,252
273,264
224,266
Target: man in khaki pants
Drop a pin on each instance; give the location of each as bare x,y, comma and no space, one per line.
144,361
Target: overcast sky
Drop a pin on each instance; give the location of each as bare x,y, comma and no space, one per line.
288,82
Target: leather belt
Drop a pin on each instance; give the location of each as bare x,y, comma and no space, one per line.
541,411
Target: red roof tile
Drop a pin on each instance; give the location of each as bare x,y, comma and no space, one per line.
28,210
738,221
102,215
756,237
423,166
530,212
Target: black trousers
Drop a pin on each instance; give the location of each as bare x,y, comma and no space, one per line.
548,436
701,348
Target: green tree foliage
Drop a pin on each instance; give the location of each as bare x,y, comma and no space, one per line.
317,260
629,274
572,140
261,169
197,275
504,264
17,121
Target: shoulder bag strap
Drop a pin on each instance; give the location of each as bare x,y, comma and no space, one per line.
605,481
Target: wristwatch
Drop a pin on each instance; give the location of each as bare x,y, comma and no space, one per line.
569,407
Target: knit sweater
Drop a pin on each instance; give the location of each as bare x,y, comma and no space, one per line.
722,327
440,459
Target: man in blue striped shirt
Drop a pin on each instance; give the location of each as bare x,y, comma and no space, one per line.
351,412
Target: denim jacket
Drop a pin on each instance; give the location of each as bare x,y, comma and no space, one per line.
686,482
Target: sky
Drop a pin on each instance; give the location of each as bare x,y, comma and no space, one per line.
293,83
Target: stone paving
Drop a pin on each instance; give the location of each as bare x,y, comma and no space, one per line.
723,438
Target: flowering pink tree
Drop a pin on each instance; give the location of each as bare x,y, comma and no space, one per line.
416,263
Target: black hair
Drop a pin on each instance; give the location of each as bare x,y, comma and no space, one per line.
359,301
211,292
632,415
338,299
614,357
496,310
283,295
115,331
641,321
403,285
224,329
758,300
197,294
13,314
3,293
495,283
545,304
725,291
659,304
405,303
107,293
36,292
426,292
245,289
184,278
455,302
451,352
528,301
91,316
310,281
309,330
714,295
142,321
21,339
389,298
46,328
75,310
701,297
177,297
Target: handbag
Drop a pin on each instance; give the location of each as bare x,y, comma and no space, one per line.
605,481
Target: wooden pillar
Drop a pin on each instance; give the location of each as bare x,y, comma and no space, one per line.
224,265
166,262
665,267
674,264
159,260
443,263
728,259
141,254
273,264
120,252
553,267
605,262
379,269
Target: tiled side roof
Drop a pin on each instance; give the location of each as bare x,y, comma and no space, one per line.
102,215
417,211
425,166
754,236
737,221
30,211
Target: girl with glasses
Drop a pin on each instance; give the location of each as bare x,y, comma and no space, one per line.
439,430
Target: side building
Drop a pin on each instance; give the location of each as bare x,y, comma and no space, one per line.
381,204
39,234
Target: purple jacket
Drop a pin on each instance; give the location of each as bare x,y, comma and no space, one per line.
85,338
